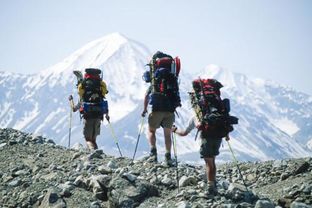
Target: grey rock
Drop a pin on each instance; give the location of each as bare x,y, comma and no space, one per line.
78,147
80,182
236,187
284,176
251,177
2,145
224,184
101,195
279,163
95,205
104,170
236,192
187,181
76,155
247,205
166,180
96,154
15,182
126,194
263,203
129,177
50,141
67,186
183,204
153,180
307,189
52,200
112,164
102,180
303,167
228,206
299,205
20,173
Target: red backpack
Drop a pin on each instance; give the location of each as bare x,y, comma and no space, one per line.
210,109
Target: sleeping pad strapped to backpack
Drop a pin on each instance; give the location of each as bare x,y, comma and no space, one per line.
163,76
93,103
211,111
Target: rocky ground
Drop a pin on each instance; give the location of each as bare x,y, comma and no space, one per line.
34,172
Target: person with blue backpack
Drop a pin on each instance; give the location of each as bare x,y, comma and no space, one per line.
92,105
163,96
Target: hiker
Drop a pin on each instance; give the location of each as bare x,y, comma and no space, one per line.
92,105
163,96
212,120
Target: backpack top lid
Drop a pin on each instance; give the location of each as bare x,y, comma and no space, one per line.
162,60
207,86
160,54
93,71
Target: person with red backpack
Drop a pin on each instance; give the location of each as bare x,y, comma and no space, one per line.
163,96
92,105
212,120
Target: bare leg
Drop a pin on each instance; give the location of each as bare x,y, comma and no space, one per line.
94,143
152,137
167,133
210,168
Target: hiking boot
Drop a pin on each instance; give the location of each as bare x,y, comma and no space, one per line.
153,155
211,191
168,161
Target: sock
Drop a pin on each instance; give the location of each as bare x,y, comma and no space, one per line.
211,183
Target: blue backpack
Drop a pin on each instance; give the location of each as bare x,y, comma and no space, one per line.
94,110
163,76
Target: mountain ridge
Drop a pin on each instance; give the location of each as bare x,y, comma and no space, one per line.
275,121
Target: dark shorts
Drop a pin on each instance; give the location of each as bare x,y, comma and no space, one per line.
91,128
210,147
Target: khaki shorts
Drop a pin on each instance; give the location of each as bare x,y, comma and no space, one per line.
210,147
163,119
91,128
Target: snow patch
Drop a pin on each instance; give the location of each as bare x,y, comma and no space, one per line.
286,125
309,144
27,118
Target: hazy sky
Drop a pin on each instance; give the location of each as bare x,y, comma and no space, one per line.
271,39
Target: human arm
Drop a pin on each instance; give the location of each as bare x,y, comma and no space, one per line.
189,128
145,102
107,117
72,104
179,132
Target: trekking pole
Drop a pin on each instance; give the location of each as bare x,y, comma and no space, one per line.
70,119
114,136
176,158
236,162
196,134
70,124
137,143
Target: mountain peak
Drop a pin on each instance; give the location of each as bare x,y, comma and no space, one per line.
93,54
116,38
213,71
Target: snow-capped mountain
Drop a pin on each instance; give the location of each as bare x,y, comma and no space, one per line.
275,121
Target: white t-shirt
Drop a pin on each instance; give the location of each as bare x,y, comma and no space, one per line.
191,125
